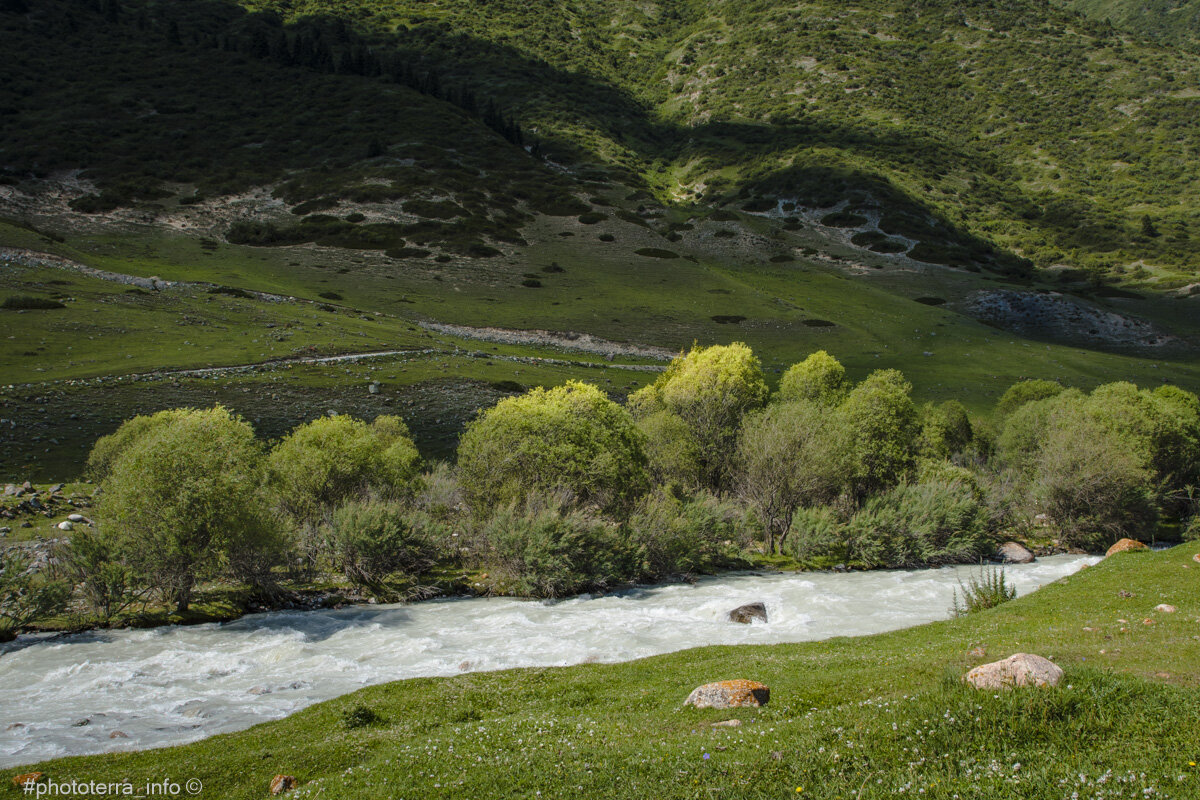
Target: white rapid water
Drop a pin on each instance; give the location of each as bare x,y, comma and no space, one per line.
178,684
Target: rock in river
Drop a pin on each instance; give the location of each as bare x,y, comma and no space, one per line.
748,613
1014,553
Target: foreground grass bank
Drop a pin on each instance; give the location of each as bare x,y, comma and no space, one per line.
868,717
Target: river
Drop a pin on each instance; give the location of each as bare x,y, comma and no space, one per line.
66,695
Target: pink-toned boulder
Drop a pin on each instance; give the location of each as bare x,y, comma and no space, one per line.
1124,545
1021,669
729,694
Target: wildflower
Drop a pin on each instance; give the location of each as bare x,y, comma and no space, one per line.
707,756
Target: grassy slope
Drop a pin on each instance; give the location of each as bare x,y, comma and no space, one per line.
876,715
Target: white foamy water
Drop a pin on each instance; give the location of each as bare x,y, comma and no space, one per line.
178,684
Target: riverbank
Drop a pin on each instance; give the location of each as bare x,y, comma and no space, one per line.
876,716
208,679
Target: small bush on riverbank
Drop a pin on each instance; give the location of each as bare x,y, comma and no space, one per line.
987,590
372,540
685,536
26,595
547,548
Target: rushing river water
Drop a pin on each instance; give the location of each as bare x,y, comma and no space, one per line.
178,684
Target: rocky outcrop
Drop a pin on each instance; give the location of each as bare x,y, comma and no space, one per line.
1013,553
748,613
729,694
1018,670
1123,546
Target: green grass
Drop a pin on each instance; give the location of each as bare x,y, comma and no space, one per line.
868,717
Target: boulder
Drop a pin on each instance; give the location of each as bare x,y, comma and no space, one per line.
66,525
1165,608
1021,669
1013,553
118,735
748,613
78,518
1123,545
729,694
26,779
283,783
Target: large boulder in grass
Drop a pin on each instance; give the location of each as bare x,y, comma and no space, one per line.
1124,545
729,694
1014,553
748,613
1019,670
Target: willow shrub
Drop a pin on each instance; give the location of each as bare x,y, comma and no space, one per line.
556,550
685,536
373,540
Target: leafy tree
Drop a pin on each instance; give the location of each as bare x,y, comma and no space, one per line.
571,437
790,455
672,450
324,462
820,378
1025,429
1090,484
182,495
108,448
710,389
882,429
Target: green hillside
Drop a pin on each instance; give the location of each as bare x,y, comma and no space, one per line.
1173,21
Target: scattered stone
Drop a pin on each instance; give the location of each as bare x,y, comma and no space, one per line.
27,778
1125,593
1165,608
1196,558
727,723
1162,674
1014,553
259,690
66,525
729,694
373,388
978,652
748,613
283,783
1020,669
1124,545
78,518
118,735
1089,629
80,723
1148,621
15,726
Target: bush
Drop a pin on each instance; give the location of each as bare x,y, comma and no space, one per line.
108,584
571,437
324,462
682,536
1024,392
988,590
360,716
181,496
370,540
918,524
553,551
26,596
817,538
